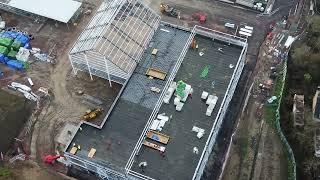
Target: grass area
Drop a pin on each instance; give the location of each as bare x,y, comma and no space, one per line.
244,146
4,173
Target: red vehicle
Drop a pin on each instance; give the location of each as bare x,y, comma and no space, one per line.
50,159
200,16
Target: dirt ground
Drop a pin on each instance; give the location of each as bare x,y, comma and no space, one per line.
257,152
61,107
14,111
65,106
29,170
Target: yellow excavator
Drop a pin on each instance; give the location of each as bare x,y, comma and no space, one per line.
169,10
92,114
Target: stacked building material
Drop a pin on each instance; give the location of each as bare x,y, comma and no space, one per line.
11,43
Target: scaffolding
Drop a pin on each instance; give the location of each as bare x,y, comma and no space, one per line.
114,40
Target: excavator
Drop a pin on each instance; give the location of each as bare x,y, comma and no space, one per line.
169,10
92,114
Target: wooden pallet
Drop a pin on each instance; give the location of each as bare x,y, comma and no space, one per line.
156,73
159,137
73,150
92,152
154,146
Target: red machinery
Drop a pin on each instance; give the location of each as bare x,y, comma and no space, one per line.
50,159
270,36
200,16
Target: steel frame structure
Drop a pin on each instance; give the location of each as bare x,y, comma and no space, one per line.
114,40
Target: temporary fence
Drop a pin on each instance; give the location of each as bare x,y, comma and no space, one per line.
274,112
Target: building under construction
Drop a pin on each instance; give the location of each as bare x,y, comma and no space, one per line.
177,84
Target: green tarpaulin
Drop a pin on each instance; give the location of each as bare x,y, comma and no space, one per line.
205,71
181,86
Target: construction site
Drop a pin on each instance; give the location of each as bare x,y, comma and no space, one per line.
126,89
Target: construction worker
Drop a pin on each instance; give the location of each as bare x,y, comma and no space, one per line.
77,146
162,154
143,165
195,150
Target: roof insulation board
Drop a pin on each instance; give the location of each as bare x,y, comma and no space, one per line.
59,10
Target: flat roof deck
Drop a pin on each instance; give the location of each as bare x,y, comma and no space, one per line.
116,140
179,161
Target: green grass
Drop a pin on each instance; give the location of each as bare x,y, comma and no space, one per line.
244,146
4,172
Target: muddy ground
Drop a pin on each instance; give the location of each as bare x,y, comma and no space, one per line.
14,112
55,39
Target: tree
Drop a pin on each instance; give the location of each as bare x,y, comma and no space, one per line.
307,78
315,26
300,54
317,5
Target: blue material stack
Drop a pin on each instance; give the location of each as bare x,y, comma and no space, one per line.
15,64
17,39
